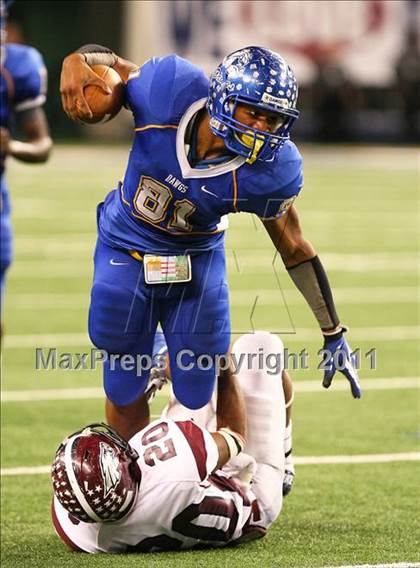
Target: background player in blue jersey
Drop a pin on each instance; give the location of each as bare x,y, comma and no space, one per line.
202,149
23,82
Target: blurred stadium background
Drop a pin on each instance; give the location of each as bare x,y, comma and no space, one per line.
358,64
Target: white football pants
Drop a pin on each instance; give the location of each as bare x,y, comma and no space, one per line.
262,387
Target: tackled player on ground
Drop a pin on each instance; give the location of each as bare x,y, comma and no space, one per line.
174,485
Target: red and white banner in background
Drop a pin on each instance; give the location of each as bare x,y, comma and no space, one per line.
365,37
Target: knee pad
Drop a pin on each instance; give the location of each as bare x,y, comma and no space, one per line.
123,387
259,361
193,388
262,386
261,342
111,325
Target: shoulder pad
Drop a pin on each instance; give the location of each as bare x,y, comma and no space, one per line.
27,69
269,188
164,88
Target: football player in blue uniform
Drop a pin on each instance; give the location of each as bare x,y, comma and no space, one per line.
22,91
202,149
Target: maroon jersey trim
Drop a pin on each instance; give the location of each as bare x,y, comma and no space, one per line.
61,533
195,439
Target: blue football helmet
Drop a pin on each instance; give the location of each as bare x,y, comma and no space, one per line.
259,77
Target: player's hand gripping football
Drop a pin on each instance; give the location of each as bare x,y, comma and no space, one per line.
75,76
338,357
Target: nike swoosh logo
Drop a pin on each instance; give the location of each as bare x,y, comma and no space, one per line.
115,263
203,188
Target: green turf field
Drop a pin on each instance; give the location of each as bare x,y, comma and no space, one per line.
361,209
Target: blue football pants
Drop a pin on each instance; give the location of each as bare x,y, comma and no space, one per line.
194,316
5,240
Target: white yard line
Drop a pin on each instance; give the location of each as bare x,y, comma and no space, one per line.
54,242
25,470
309,460
392,383
48,269
370,262
114,157
360,157
292,297
37,340
246,260
394,565
269,297
39,212
49,301
363,458
52,394
372,334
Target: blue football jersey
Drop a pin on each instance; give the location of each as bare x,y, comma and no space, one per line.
166,205
23,82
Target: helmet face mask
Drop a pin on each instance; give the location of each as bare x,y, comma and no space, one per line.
261,78
95,474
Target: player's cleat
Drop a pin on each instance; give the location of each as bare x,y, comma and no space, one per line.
289,475
157,380
158,373
289,468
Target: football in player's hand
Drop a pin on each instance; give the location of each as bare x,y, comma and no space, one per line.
104,106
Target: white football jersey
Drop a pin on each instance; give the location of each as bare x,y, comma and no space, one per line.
180,502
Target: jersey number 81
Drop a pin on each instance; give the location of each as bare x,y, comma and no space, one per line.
152,200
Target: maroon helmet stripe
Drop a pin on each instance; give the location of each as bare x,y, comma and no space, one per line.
195,439
60,531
